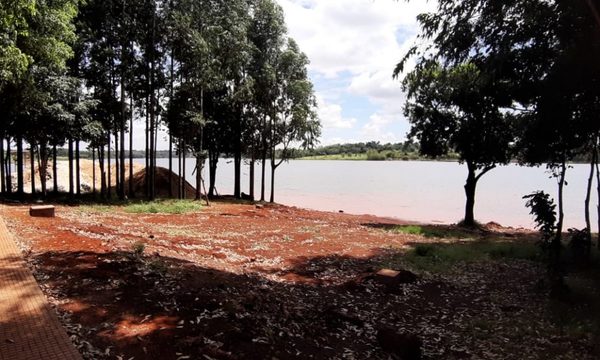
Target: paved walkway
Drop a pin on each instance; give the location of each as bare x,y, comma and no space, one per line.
29,328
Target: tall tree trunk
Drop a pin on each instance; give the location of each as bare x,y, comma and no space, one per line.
237,158
198,176
263,177
9,182
94,171
588,196
184,152
213,159
263,151
273,168
200,152
32,167
561,186
77,168
131,189
71,172
2,168
598,192
180,171
252,161
555,245
147,150
470,187
152,111
101,159
117,165
109,175
237,163
20,180
170,165
171,97
152,159
122,163
54,170
43,156
123,122
554,267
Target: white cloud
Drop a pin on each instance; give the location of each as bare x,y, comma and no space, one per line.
331,116
362,40
376,128
351,35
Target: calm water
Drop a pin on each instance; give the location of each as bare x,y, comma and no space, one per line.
420,191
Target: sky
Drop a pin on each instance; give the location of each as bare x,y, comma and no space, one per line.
353,46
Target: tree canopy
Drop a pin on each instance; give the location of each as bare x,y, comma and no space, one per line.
223,77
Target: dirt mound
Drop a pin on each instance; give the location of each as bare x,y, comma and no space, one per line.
161,184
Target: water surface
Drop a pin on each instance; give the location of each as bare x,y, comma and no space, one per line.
422,191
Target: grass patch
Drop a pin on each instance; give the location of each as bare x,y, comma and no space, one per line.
580,314
428,231
164,207
441,257
146,207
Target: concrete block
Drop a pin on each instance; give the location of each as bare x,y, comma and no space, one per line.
42,211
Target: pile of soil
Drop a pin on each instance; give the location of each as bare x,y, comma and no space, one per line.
161,184
87,179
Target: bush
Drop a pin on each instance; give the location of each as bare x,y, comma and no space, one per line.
375,155
164,207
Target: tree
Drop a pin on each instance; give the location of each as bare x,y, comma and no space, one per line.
233,54
542,56
37,39
267,33
14,62
451,109
296,119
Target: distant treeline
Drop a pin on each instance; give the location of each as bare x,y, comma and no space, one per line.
373,150
137,154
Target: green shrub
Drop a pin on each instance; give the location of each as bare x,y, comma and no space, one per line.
375,155
428,231
164,207
424,250
440,257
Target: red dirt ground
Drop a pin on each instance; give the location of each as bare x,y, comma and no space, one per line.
235,281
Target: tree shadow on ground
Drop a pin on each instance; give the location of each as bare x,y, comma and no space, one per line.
154,307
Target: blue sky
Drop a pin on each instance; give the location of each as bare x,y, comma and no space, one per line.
353,46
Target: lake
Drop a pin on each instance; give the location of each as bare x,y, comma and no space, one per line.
422,191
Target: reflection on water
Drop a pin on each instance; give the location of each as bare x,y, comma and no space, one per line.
416,190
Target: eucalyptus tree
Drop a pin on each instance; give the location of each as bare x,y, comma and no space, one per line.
217,132
15,25
233,54
14,62
37,36
56,115
152,42
98,38
296,121
192,49
267,34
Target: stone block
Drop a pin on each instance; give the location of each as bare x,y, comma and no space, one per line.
42,211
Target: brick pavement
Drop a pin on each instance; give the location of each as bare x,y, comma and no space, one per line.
29,328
